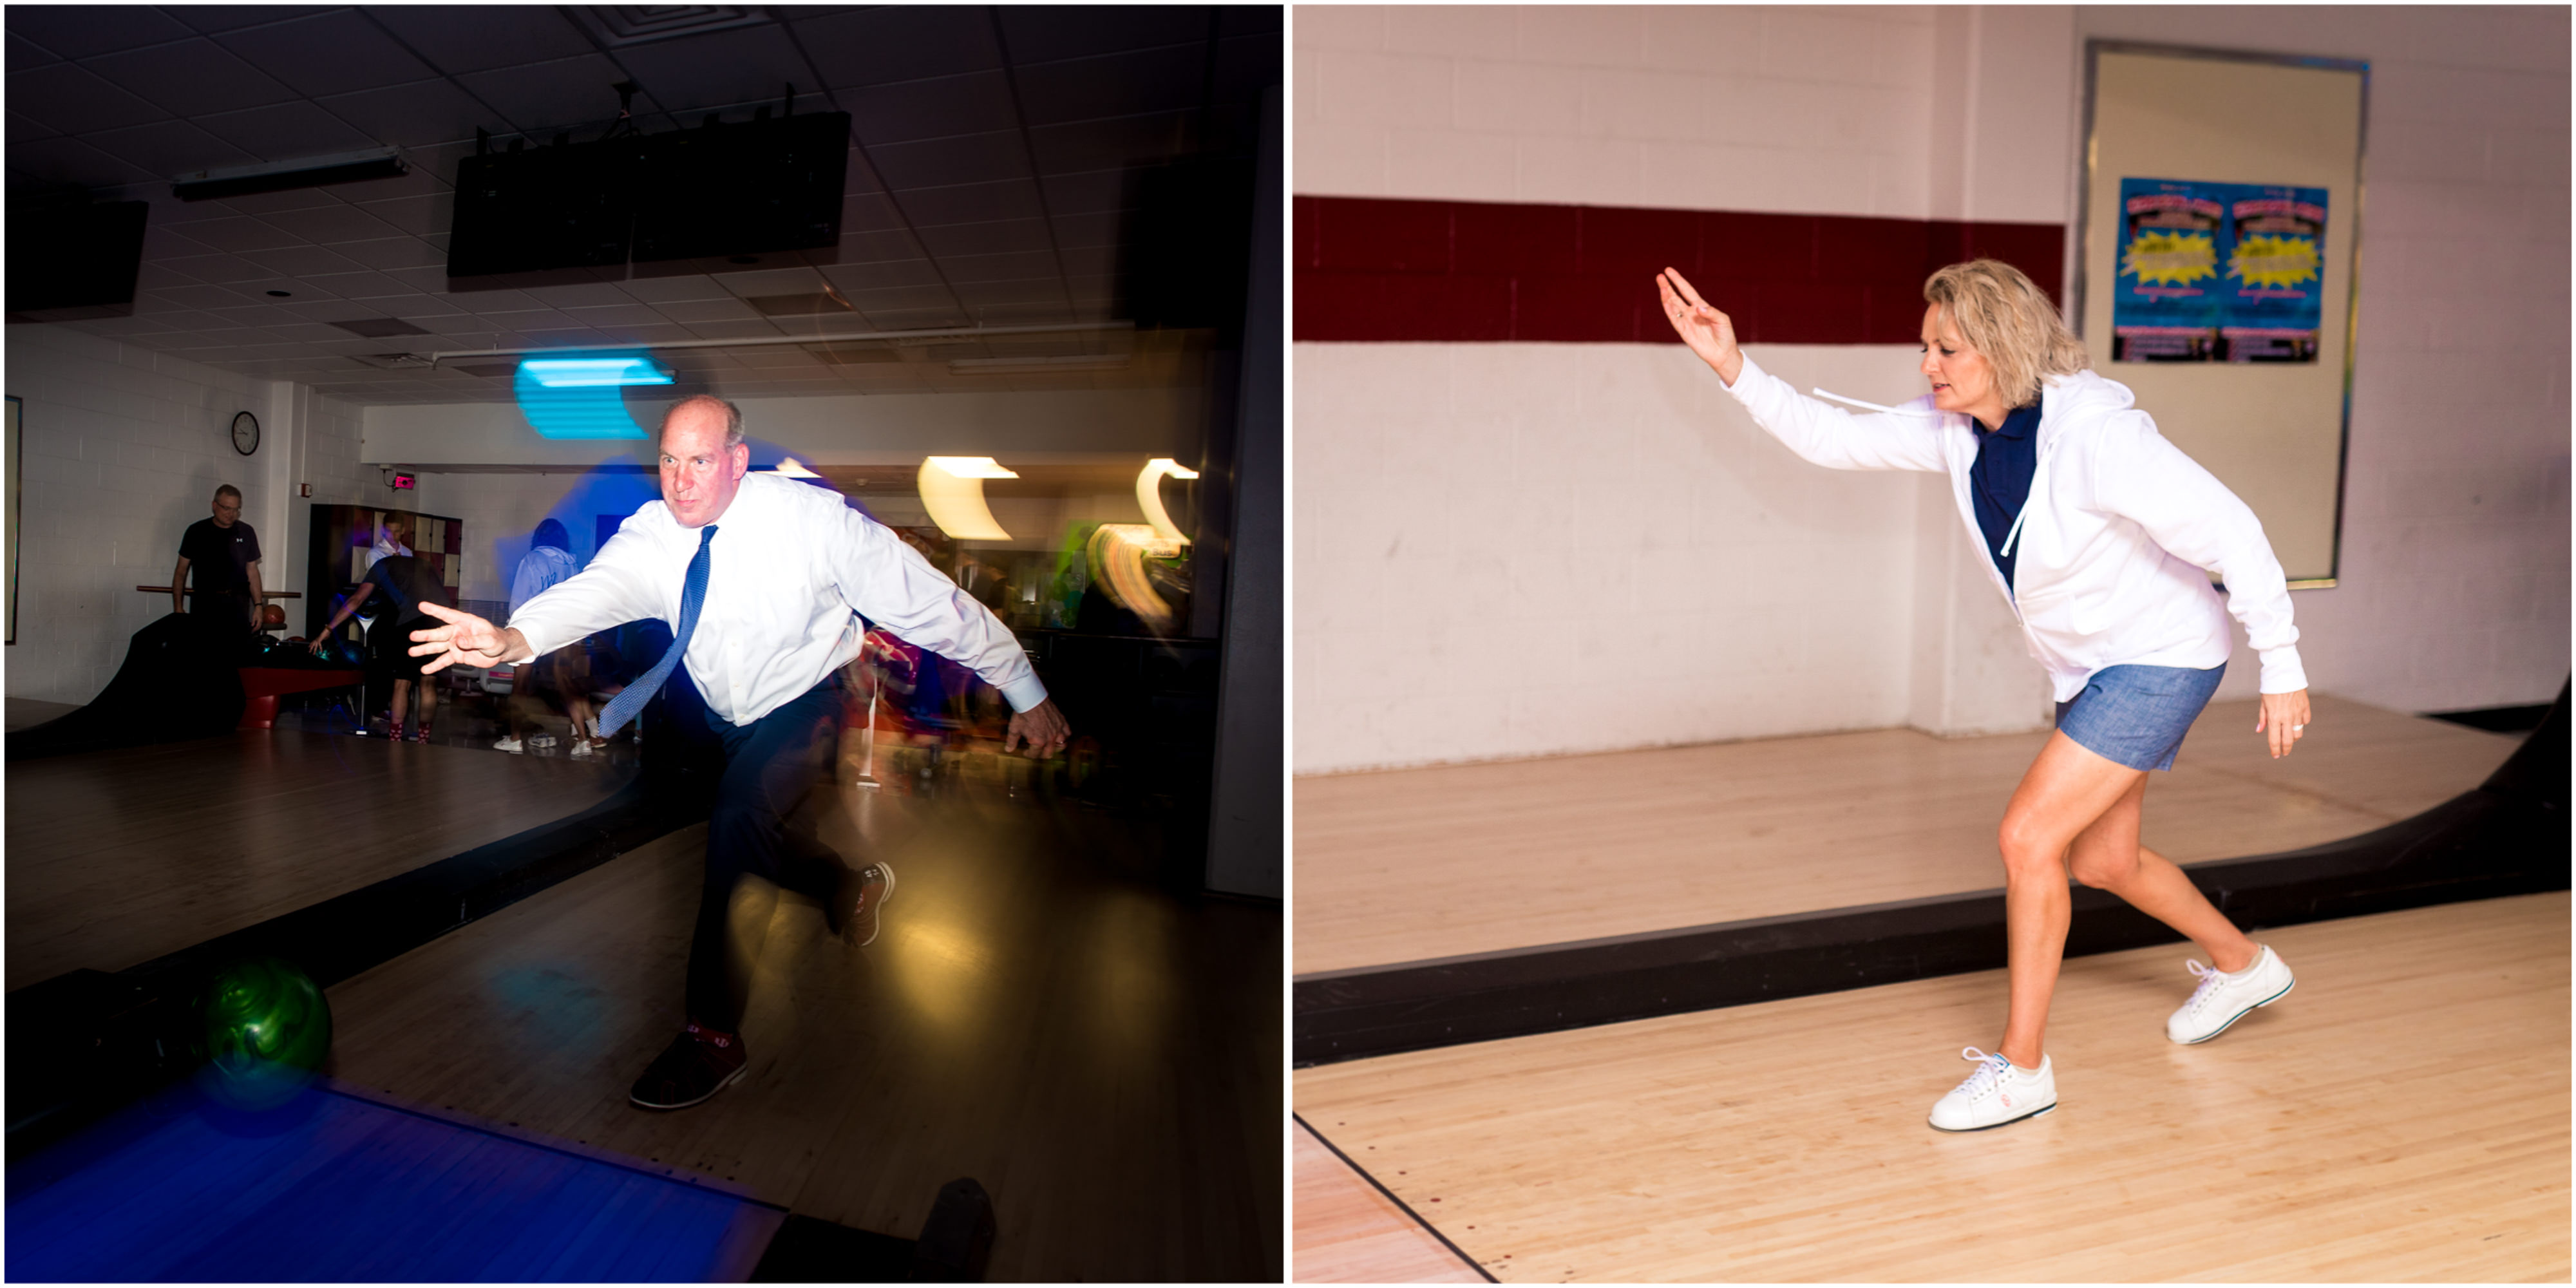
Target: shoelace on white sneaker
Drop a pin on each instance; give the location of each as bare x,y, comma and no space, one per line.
1989,1068
2210,978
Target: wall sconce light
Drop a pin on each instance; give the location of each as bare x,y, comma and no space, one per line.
1149,495
952,489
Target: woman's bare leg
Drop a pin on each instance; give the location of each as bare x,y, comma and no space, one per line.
2065,791
2107,856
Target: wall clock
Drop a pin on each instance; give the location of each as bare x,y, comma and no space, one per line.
245,433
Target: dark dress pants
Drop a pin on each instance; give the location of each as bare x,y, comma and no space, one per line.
769,767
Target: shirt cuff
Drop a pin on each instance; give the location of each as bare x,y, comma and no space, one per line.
2281,670
1742,373
1024,692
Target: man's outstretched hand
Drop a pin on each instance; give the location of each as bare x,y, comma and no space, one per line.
1040,728
466,638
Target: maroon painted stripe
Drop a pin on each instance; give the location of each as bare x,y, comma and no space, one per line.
1471,271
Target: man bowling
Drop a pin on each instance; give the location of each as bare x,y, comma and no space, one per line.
759,577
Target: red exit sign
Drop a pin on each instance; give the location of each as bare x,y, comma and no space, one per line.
402,482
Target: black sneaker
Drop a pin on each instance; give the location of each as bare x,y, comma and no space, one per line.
863,896
698,1064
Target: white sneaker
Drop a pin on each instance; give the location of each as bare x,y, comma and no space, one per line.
1996,1094
542,740
580,749
2223,999
510,745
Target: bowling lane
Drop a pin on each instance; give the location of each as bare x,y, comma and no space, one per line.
1039,1014
118,857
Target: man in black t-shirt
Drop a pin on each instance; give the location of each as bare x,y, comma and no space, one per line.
225,553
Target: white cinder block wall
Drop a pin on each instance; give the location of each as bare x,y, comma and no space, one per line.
123,449
1489,557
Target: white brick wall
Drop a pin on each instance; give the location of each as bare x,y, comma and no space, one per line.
123,450
1415,603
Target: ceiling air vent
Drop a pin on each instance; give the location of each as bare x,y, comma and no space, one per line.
393,361
379,328
642,24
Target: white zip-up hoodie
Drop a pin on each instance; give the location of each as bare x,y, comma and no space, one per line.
2112,545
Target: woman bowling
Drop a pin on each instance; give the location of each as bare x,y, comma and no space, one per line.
2098,532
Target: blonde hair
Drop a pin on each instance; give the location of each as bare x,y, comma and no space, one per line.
2003,315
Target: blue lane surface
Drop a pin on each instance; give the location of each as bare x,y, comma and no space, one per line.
338,1188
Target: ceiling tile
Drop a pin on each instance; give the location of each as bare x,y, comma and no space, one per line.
329,53
192,77
971,203
769,281
1102,228
719,68
169,148
1107,145
463,38
302,261
579,295
1151,80
693,312
393,252
427,281
870,212
977,102
998,237
74,100
968,158
1088,261
286,132
670,290
24,54
1034,290
997,268
726,329
545,97
237,233
877,248
419,115
432,213
25,128
904,43
358,286
851,278
916,319
1044,33
212,18
200,297
1088,192
218,269
324,225
83,31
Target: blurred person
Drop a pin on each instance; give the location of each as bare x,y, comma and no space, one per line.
224,552
391,539
549,562
2099,532
409,583
762,622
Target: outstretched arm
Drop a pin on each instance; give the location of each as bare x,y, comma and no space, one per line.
1824,434
1709,333
465,638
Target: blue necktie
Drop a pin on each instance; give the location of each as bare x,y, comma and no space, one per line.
693,596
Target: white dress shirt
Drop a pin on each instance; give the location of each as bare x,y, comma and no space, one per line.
385,548
789,566
540,568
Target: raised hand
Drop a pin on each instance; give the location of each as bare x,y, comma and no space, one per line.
1709,333
466,638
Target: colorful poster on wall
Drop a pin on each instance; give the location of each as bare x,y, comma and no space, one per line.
2218,272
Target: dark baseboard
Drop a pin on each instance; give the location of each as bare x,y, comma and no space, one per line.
2507,837
2497,719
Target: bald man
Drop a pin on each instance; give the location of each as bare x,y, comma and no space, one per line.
763,581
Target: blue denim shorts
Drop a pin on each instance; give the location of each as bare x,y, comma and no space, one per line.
2137,715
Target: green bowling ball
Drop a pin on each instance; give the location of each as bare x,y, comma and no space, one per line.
268,1030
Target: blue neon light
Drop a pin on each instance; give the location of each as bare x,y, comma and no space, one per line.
584,373
579,398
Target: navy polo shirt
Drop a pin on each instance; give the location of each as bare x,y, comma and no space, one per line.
1999,483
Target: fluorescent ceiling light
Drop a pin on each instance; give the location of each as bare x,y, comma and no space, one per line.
282,176
585,373
971,467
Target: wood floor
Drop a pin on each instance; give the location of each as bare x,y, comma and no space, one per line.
1102,1055
117,857
1350,1232
1416,864
2403,1116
